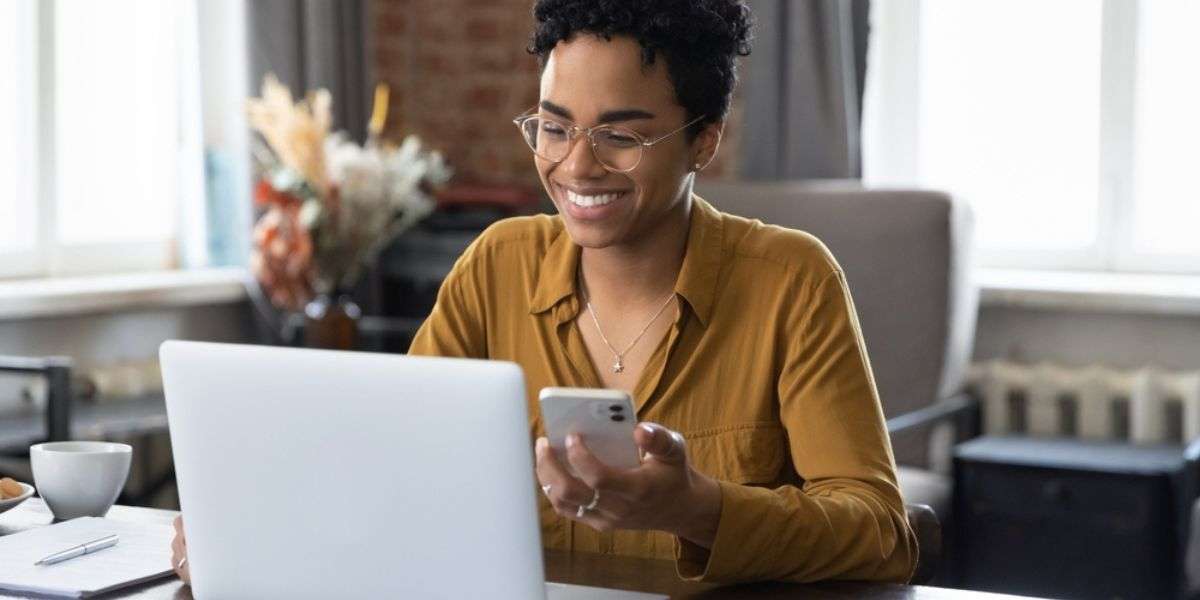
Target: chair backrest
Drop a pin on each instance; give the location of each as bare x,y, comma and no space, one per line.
904,253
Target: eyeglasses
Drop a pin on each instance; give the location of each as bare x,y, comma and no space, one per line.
616,148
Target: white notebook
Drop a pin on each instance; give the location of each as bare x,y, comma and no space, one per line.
143,553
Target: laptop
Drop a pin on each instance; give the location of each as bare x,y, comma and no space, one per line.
322,474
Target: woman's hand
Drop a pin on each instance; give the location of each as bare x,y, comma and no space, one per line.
664,493
179,552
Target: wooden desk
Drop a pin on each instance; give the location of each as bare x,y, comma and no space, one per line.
578,568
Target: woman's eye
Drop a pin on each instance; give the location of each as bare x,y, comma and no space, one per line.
619,140
553,129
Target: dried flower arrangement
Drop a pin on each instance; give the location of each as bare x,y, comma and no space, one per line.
328,205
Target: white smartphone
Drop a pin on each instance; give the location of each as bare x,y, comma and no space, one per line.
604,418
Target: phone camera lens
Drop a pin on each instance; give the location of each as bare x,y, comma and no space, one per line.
615,408
618,418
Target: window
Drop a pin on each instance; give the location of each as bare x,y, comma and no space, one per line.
1166,137
1066,125
18,213
99,144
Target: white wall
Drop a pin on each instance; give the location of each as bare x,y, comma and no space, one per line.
97,340
1122,340
133,335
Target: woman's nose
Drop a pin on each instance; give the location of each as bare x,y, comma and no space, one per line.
581,160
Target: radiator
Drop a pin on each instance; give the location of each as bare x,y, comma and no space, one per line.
1145,405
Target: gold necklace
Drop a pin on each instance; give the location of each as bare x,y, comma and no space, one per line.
619,357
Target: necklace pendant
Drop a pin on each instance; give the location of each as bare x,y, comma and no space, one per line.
617,366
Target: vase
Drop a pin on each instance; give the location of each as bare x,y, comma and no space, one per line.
331,322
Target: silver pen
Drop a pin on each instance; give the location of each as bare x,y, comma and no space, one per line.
87,548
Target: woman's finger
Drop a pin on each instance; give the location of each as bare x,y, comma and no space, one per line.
179,552
591,470
184,571
565,490
660,443
179,561
595,521
612,508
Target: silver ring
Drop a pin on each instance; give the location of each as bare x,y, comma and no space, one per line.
590,505
182,562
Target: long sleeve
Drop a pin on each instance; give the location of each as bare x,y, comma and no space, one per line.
847,520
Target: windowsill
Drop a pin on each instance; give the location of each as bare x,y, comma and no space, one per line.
23,299
1059,290
1145,293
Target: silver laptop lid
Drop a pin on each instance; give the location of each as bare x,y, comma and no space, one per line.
319,474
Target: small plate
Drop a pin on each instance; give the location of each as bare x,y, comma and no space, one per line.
13,502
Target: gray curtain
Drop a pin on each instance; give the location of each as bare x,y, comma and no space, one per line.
803,88
310,44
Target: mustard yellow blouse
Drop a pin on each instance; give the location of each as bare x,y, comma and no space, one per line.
764,373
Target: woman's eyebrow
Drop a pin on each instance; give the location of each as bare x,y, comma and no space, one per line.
608,116
624,114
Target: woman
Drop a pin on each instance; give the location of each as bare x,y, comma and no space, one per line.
766,451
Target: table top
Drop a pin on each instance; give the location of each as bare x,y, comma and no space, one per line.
581,568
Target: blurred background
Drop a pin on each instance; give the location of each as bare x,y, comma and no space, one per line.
1009,186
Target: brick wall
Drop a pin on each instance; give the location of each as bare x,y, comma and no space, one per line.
459,73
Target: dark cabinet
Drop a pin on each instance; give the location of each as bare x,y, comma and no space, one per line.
1070,518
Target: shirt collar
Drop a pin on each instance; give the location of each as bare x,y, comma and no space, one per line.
697,282
556,277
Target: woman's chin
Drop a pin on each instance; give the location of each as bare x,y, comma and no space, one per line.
594,226
590,236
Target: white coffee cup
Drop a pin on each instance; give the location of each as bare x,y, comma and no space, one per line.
78,479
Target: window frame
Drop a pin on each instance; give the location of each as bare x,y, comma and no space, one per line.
892,132
28,261
49,256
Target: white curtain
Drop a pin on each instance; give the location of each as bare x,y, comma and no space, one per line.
223,61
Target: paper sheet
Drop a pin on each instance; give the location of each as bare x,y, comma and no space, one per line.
143,553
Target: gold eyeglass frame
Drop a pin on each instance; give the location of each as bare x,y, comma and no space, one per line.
574,131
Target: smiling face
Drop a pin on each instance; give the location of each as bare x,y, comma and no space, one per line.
589,81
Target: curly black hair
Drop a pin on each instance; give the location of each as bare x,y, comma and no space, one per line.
700,40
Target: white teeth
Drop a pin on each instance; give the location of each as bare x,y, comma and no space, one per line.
586,201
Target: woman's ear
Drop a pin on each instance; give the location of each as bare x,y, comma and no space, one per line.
704,147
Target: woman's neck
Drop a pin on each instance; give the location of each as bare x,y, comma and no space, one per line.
643,271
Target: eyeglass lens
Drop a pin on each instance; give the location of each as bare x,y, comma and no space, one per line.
614,147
